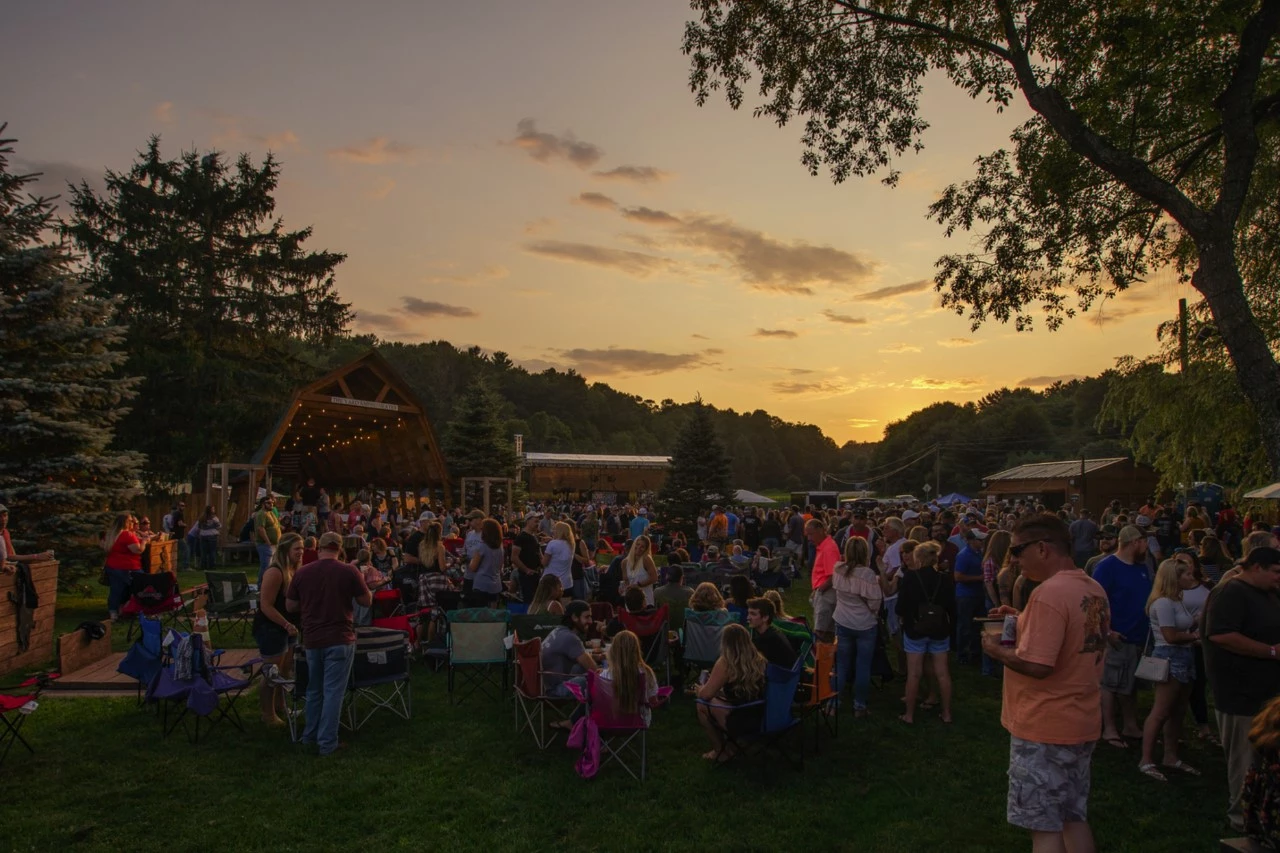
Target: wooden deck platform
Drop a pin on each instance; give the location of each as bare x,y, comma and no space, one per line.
101,678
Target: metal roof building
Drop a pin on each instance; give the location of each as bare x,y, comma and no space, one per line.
1092,483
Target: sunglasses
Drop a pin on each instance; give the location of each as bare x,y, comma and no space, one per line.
1016,550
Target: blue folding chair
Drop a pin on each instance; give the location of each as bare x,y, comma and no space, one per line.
145,657
777,718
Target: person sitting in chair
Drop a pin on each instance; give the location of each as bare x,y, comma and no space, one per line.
547,597
767,639
564,654
737,678
706,598
626,667
634,602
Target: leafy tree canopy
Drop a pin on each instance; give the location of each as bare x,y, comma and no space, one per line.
1153,144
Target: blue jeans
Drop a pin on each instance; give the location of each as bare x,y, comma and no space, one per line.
967,609
265,553
327,673
853,644
119,582
208,552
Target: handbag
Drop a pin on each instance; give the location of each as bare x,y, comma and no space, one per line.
1153,669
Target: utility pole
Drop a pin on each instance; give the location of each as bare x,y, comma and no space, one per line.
1182,337
937,470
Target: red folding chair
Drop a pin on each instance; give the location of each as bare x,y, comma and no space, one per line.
531,702
156,596
14,711
651,630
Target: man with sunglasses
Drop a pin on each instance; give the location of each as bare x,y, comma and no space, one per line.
1051,694
1126,577
1107,537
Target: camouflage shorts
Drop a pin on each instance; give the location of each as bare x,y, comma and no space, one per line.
1048,784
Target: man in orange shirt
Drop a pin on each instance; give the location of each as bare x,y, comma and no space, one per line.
1052,703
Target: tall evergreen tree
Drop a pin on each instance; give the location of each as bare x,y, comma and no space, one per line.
216,295
699,474
60,398
476,441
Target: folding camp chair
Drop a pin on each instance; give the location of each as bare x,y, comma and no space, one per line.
156,596
531,703
702,631
601,611
477,649
379,676
618,733
821,701
145,657
651,630
230,599
14,711
198,687
539,625
777,719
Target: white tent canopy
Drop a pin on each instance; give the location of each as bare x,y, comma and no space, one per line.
1271,492
746,497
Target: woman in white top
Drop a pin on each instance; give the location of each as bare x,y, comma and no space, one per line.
1195,599
557,558
639,570
859,596
1174,633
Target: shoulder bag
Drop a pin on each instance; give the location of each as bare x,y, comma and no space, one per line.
1153,669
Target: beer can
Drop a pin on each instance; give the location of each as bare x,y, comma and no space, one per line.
1009,633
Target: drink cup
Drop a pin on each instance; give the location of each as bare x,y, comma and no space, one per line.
1009,633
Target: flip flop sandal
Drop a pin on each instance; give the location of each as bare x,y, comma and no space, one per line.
1117,741
1184,767
1211,738
902,718
1152,771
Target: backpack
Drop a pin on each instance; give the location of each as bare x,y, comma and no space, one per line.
932,619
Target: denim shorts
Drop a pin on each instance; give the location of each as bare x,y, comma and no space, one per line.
925,645
1182,662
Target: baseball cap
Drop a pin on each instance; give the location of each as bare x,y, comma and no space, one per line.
975,533
1129,533
3,508
476,513
910,514
427,515
329,541
1264,556
1142,522
644,511
1108,531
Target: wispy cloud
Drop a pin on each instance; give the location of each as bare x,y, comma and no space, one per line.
844,318
422,308
616,360
925,383
634,174
1046,381
232,131
489,272
637,264
896,290
649,216
699,337
163,112
596,200
540,225
775,333
548,147
54,175
898,348
381,188
818,388
861,423
958,342
376,151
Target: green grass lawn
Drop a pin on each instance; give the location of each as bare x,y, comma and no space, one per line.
459,778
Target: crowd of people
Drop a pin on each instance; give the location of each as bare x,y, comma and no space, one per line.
1185,600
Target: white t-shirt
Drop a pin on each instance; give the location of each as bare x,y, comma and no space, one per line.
636,572
1195,599
1167,613
561,564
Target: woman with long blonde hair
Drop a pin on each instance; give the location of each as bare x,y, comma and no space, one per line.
546,598
1174,633
638,568
557,558
274,629
737,678
625,671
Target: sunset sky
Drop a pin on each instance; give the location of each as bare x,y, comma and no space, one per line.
535,178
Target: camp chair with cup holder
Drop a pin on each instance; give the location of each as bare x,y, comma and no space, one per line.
476,641
230,600
156,596
191,685
379,676
145,657
776,719
532,704
818,697
702,630
651,630
623,738
527,627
